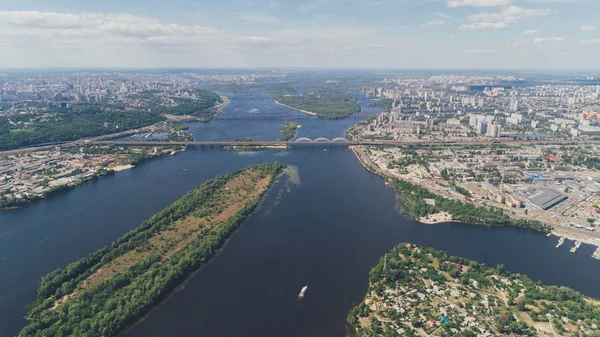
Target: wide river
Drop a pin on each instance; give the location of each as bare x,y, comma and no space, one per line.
324,227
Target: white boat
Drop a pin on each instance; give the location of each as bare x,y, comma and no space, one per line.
302,292
560,242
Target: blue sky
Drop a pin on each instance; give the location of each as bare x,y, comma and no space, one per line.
509,34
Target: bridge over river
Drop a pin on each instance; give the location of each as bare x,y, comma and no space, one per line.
322,141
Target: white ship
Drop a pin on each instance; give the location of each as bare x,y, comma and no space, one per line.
560,242
577,244
302,292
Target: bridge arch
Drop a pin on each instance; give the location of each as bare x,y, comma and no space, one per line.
340,140
303,140
321,140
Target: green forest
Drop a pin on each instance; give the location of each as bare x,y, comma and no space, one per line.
326,102
202,106
413,201
68,124
70,303
289,130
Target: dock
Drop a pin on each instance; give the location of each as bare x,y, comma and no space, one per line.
576,246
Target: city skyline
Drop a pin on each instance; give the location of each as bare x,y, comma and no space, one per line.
401,34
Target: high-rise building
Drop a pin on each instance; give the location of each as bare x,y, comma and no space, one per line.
473,121
494,131
514,104
481,127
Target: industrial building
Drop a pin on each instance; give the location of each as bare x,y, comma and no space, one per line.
547,198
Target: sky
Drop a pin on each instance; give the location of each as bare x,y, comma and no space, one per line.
402,34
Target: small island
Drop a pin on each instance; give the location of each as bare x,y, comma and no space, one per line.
117,285
289,130
419,291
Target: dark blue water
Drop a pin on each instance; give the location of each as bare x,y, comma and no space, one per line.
325,233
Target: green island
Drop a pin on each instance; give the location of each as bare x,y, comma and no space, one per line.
201,103
419,291
117,285
289,130
325,102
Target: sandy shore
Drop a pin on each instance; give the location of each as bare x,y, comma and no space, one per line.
289,107
436,218
221,106
121,168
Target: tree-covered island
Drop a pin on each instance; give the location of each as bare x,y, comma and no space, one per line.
419,291
117,285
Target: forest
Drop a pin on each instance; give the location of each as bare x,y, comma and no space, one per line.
289,130
117,285
413,201
68,124
328,102
201,105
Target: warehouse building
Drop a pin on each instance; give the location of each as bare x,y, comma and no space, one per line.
547,198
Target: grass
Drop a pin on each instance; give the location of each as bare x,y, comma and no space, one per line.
228,200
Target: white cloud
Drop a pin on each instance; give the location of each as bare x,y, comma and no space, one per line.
480,51
256,39
567,1
258,18
593,41
430,24
530,32
511,14
99,24
540,40
477,3
483,26
588,28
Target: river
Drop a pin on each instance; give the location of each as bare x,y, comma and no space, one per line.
326,232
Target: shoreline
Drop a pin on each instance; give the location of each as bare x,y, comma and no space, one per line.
100,274
219,107
556,231
70,186
289,107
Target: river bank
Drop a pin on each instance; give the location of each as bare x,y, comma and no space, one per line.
220,106
558,231
144,265
421,203
14,203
